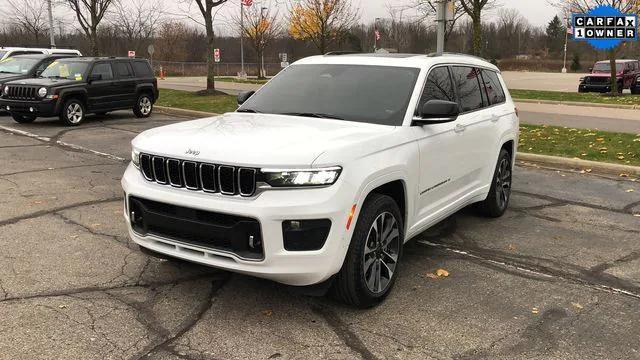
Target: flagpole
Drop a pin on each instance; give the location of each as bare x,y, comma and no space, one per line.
241,38
566,40
375,34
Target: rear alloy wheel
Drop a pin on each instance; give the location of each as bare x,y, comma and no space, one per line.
371,265
23,119
73,112
497,201
144,106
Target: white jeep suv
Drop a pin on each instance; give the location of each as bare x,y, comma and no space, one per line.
322,174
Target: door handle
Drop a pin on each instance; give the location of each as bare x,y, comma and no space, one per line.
459,128
495,118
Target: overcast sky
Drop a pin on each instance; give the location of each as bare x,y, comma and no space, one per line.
537,12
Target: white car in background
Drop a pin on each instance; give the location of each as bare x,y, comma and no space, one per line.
6,52
324,173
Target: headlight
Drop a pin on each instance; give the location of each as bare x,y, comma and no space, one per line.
42,92
135,158
6,90
301,177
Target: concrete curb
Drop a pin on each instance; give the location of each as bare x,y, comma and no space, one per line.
568,163
183,112
576,103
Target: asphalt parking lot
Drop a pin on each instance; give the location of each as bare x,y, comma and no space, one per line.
557,277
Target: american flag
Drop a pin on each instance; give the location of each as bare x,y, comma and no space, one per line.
247,2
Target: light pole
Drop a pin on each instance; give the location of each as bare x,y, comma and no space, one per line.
242,72
566,40
441,20
51,28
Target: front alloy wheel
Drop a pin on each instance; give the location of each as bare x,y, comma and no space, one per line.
73,113
372,262
381,253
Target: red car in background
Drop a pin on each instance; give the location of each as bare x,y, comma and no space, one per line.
627,71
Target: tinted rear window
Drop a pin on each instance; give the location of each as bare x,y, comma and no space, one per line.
494,89
466,80
142,68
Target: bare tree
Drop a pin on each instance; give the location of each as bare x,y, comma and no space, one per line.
323,22
261,27
138,20
584,6
429,9
512,25
474,9
89,14
29,15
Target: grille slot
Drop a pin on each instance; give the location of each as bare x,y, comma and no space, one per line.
212,178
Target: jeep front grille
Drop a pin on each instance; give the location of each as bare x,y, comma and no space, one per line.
212,178
22,93
597,80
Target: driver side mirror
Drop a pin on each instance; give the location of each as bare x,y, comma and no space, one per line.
95,77
437,112
244,96
38,73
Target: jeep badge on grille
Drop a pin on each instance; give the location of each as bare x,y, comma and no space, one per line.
192,152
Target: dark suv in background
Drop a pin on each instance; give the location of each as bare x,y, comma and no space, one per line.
71,88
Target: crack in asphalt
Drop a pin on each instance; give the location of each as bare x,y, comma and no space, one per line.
22,146
40,213
624,210
53,169
534,270
188,323
343,331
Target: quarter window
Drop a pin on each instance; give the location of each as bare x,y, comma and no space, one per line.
142,68
104,70
466,80
438,86
123,70
495,93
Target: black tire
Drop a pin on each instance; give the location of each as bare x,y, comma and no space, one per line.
350,285
497,201
144,106
73,112
635,90
23,119
620,88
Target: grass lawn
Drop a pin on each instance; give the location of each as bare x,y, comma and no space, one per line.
625,99
188,100
583,144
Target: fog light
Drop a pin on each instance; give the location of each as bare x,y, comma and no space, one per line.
305,235
31,109
8,108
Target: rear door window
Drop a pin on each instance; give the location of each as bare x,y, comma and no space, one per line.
492,85
466,79
103,69
123,69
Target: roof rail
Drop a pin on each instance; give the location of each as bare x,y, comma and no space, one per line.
456,54
335,53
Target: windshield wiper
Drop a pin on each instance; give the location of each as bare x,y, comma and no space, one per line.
315,115
54,77
247,111
7,72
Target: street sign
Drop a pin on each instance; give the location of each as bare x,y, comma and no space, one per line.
216,55
132,53
284,64
151,49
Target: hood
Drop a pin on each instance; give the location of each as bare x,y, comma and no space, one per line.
603,74
10,77
44,82
256,140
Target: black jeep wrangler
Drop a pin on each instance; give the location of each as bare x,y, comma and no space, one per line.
73,87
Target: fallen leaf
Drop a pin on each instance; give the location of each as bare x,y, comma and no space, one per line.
600,139
630,190
624,175
62,306
442,273
267,312
577,305
587,170
535,310
431,276
511,247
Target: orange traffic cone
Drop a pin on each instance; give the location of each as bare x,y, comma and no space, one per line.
161,73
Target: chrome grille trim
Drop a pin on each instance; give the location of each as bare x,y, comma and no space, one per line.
233,183
226,179
253,181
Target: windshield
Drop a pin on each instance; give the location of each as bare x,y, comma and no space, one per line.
17,65
65,70
362,93
606,67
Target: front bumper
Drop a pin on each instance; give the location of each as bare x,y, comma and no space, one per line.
44,108
270,208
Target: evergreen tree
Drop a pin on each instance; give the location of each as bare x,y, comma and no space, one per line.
555,35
